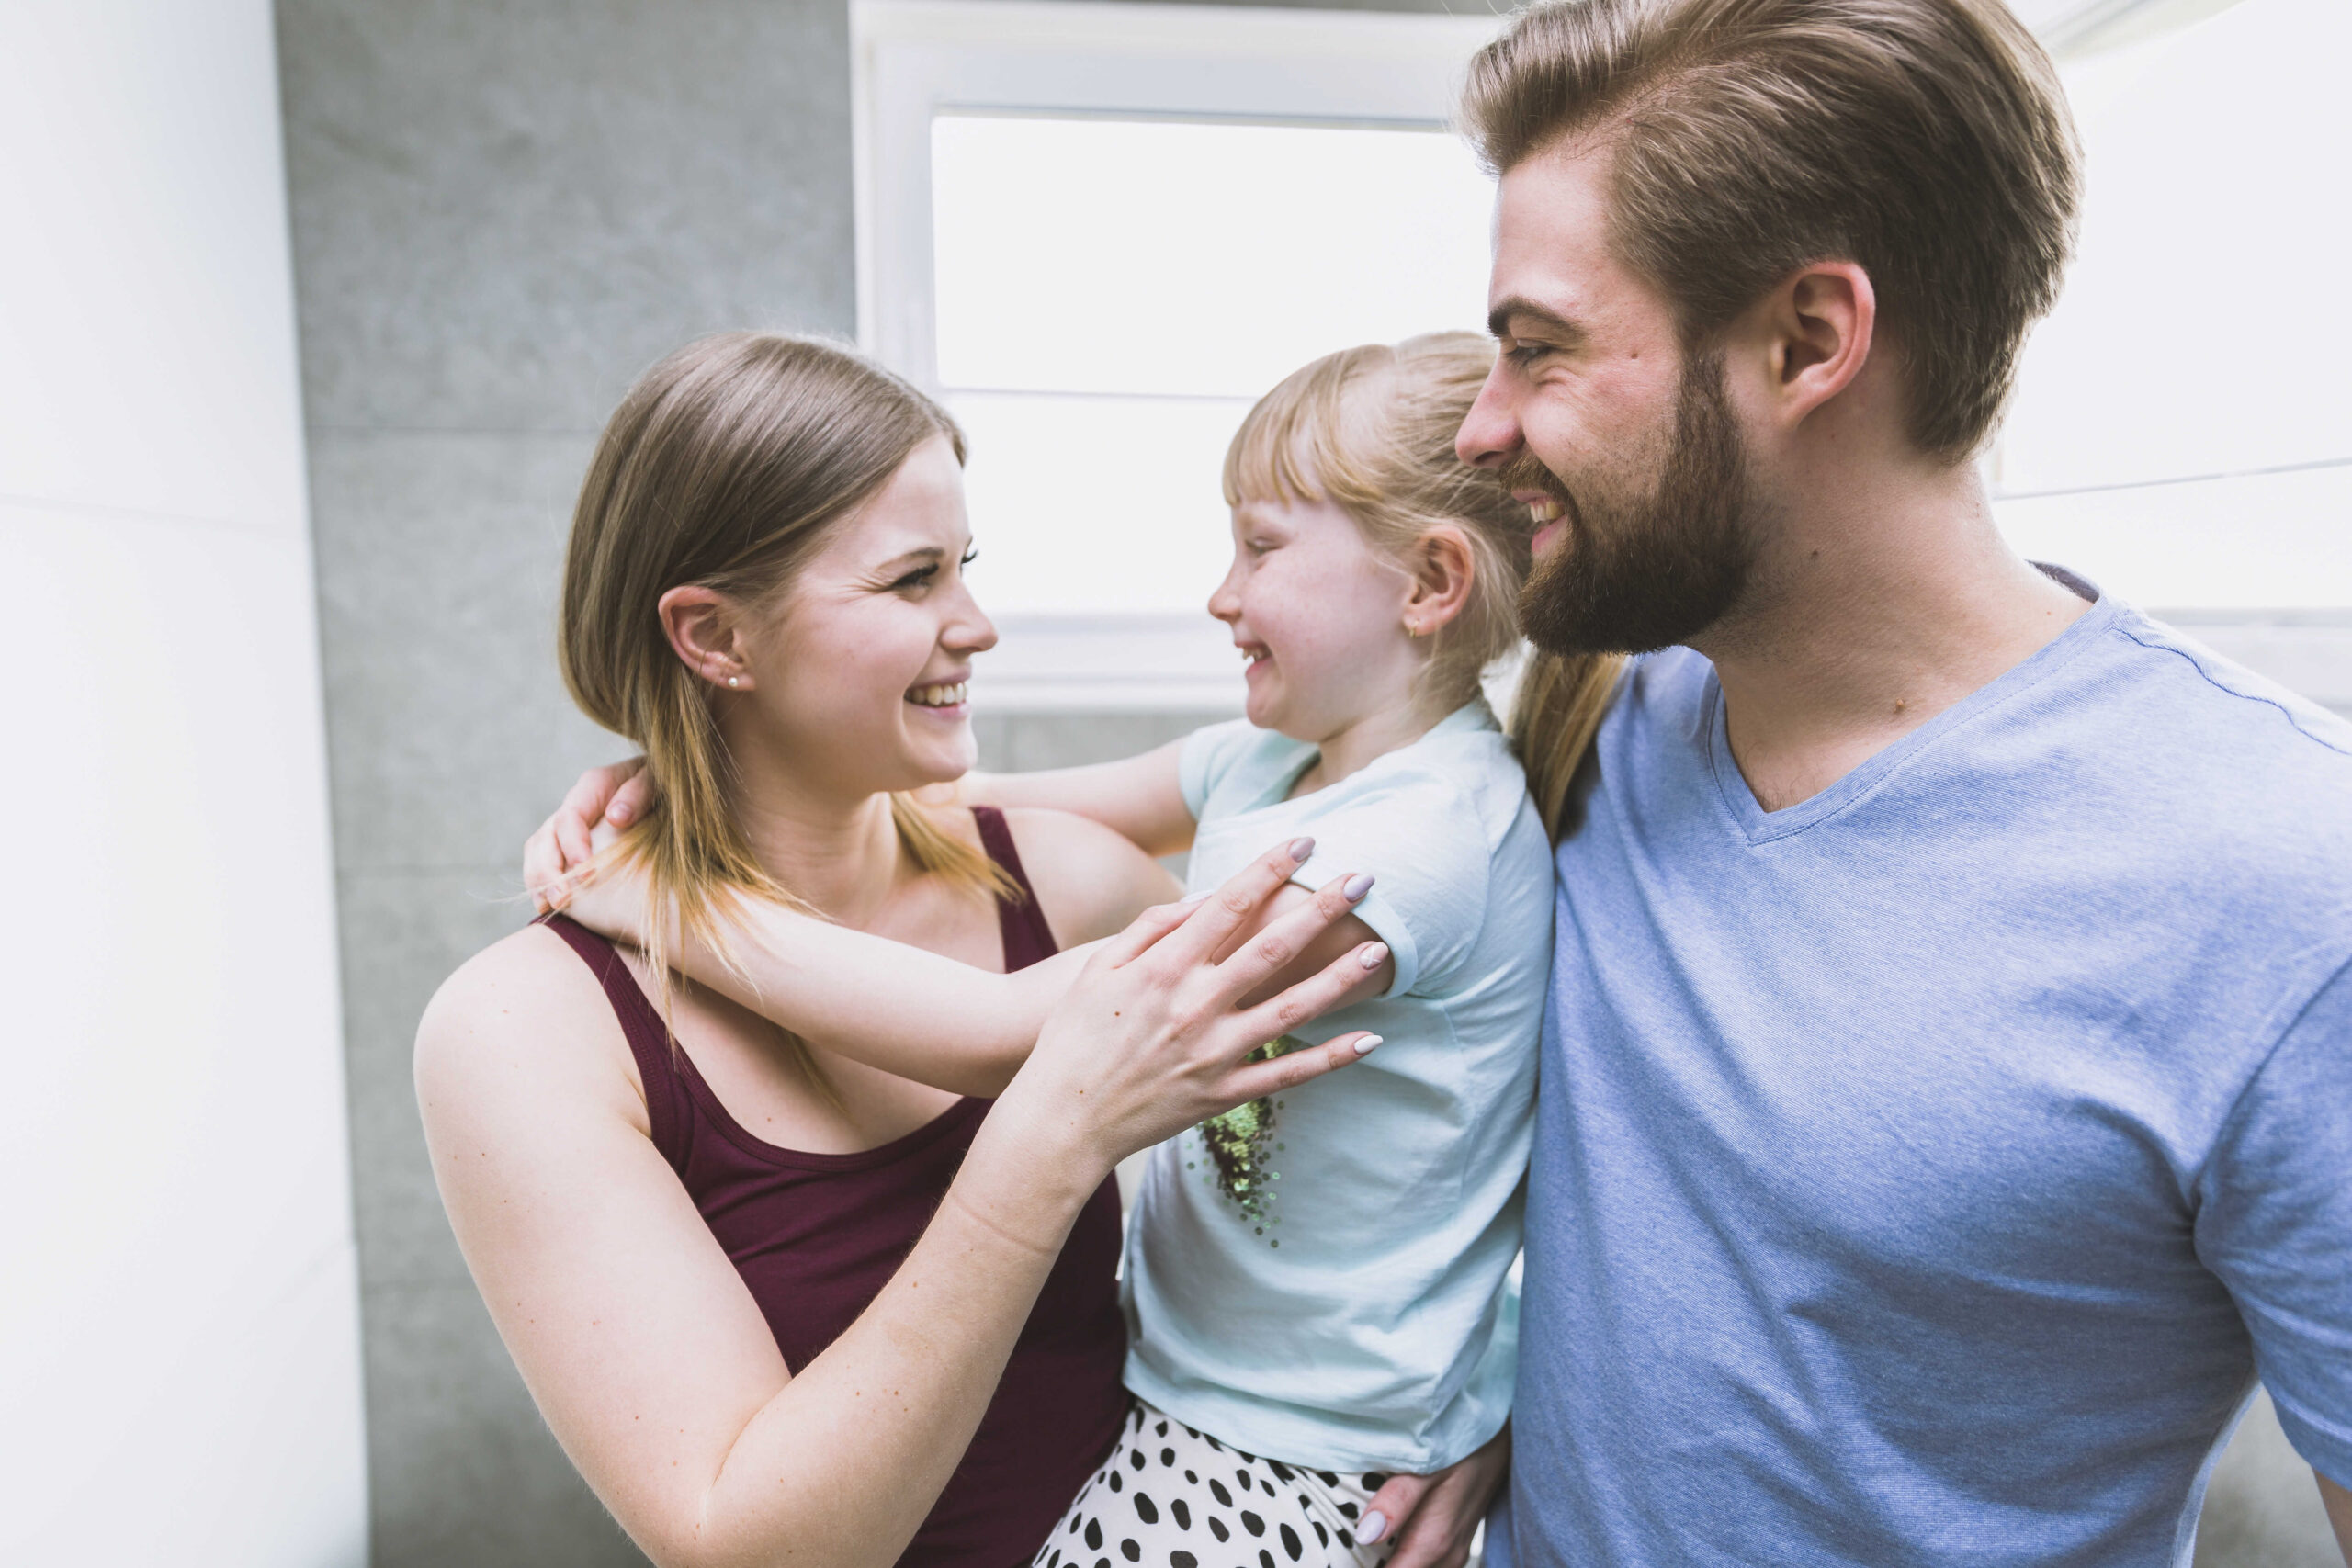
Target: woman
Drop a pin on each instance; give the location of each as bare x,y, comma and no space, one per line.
765,1302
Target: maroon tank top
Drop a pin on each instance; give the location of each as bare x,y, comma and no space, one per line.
816,1236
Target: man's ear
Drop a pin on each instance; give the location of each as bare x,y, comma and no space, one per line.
1443,567
1815,333
701,626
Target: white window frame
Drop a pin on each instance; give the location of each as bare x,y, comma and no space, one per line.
914,59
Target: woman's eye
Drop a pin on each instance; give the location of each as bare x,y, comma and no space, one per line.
917,578
969,556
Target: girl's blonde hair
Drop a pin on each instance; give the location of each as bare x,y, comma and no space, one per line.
1370,431
725,466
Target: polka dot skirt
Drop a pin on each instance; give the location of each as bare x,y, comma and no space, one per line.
1171,1497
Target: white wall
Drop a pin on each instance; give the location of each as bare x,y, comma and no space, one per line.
178,1321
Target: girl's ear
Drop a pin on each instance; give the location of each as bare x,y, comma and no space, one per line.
700,624
1443,566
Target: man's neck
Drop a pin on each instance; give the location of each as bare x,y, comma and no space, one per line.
1872,614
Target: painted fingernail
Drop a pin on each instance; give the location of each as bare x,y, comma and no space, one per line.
1301,848
1356,886
1364,1048
1374,1526
1374,956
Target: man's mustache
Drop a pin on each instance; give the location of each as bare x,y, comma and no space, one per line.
1527,473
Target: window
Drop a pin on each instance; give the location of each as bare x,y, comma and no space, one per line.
1099,234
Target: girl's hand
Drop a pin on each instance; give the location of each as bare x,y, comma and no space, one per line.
611,903
613,795
1151,1038
1432,1518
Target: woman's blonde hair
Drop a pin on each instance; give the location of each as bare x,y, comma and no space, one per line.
1370,431
725,466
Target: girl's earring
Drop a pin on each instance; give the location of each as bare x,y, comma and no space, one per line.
733,681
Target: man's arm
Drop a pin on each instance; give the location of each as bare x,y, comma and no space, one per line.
2339,1514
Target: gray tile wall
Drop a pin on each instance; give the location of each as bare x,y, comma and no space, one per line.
501,213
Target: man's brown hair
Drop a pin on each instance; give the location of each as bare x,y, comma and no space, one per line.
1926,141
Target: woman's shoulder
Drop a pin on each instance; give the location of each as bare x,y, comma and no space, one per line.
523,1019
1090,880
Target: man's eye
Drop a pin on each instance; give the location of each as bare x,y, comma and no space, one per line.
1525,354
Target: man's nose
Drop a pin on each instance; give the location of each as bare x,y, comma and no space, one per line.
1490,436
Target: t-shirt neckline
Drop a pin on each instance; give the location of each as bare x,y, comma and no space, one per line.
1476,713
1761,827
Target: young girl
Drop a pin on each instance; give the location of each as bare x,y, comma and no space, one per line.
1315,1284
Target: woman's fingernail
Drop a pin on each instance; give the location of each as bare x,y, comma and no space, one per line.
1364,1048
1374,1526
1374,956
1356,886
1301,848
618,814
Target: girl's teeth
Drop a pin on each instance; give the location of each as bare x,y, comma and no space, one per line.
939,697
1545,510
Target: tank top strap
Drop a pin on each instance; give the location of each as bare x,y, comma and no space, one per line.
666,1108
1027,938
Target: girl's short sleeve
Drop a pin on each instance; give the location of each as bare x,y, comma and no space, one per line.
1229,758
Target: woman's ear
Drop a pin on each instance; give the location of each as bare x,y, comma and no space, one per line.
700,624
1443,566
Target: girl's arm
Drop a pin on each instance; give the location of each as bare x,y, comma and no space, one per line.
901,1008
914,1014
1139,798
639,1342
1136,797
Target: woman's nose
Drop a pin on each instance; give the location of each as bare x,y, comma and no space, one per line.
969,628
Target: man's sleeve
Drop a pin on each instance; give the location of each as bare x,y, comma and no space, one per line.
2275,1223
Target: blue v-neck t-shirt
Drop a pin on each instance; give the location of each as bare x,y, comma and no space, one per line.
1925,1173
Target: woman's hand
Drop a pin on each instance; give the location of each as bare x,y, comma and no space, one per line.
1433,1518
1151,1038
611,795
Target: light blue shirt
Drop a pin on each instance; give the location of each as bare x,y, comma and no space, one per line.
1924,1172
1328,1287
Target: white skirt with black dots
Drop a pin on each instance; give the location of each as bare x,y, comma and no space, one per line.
1171,1497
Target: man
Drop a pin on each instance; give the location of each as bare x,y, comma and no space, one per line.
1947,1104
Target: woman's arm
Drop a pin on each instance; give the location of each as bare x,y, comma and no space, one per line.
637,1338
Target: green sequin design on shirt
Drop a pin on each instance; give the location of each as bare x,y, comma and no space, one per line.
1240,1144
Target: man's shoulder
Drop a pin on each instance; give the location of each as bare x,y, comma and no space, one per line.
2188,724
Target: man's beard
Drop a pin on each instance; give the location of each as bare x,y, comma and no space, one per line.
1632,574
